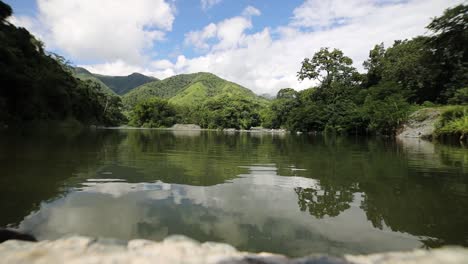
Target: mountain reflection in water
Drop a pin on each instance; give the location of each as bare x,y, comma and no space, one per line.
287,194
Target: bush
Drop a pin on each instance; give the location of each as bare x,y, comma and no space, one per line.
460,97
153,113
453,122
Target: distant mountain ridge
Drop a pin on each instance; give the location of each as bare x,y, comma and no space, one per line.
183,89
118,84
189,90
85,75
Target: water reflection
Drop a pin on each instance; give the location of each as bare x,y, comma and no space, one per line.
290,194
257,211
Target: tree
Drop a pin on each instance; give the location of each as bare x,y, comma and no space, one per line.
407,63
153,112
287,93
449,49
330,200
450,32
460,97
230,112
286,100
327,66
5,11
374,65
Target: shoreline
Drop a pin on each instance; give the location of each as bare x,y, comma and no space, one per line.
226,130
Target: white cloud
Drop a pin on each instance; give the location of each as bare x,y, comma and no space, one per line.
316,13
199,38
251,11
207,4
229,33
269,59
102,30
22,21
159,69
266,64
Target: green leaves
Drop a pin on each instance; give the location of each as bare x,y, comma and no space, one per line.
154,113
327,66
230,112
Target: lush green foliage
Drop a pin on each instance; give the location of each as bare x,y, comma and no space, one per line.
123,84
229,112
39,86
166,88
188,90
203,99
114,84
453,122
460,97
327,67
85,75
423,70
154,112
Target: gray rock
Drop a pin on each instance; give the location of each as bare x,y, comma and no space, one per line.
420,124
447,255
186,127
180,249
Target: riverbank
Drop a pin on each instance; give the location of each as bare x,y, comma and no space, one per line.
193,127
447,122
180,249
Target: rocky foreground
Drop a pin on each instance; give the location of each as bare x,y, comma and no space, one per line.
179,249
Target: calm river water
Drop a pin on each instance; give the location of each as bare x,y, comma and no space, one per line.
287,194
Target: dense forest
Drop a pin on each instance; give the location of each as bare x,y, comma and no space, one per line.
40,86
426,71
117,84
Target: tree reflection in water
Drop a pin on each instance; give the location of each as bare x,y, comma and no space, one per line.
413,187
328,201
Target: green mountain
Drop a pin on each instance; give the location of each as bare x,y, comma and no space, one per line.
85,75
118,84
123,84
188,89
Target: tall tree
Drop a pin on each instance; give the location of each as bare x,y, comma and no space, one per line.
450,50
327,67
374,65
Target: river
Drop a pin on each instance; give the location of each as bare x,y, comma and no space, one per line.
289,194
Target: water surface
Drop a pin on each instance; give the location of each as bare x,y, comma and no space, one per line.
287,194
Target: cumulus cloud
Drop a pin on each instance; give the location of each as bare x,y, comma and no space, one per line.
102,30
160,68
199,38
315,13
268,59
251,11
229,33
207,4
265,63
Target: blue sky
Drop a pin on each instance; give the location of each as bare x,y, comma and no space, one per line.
257,43
191,15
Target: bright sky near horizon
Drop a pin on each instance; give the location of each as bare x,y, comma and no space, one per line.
257,43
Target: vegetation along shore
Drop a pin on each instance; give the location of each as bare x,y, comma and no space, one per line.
424,75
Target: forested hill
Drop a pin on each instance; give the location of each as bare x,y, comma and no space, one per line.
85,75
118,84
39,86
188,90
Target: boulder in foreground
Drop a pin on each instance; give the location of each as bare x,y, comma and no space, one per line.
179,249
